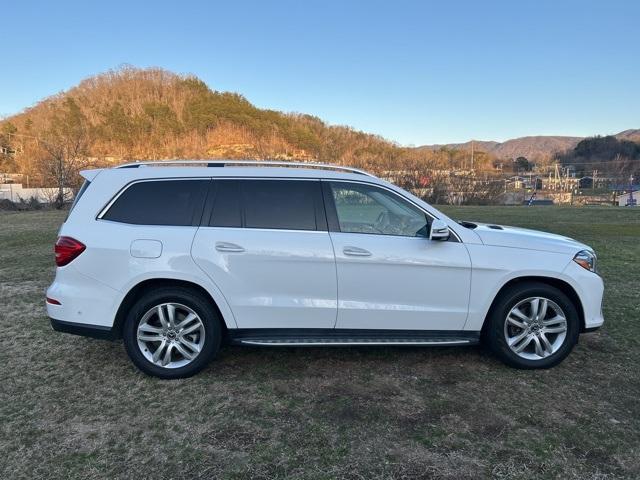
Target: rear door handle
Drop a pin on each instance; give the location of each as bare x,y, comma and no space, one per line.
356,252
228,247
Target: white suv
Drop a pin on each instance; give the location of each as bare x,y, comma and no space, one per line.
178,257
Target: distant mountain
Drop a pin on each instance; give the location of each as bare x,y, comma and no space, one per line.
632,134
534,148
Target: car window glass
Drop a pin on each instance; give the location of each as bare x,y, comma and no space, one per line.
166,202
368,209
280,204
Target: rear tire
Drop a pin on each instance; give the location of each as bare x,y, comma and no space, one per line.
532,325
172,332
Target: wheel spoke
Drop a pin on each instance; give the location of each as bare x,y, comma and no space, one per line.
171,312
145,327
546,345
521,342
167,355
542,312
538,346
192,328
158,352
518,313
150,338
192,346
555,320
185,353
516,323
558,329
535,306
161,317
188,319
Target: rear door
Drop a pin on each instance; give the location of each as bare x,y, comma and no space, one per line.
265,244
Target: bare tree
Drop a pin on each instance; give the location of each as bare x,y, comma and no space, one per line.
66,143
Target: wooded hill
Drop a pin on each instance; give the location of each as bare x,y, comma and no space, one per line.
140,114
135,113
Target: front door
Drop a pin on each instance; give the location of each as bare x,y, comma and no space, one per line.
390,275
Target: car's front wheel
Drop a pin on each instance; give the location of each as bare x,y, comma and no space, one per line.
172,332
533,325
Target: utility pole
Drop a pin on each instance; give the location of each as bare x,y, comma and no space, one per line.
631,202
472,155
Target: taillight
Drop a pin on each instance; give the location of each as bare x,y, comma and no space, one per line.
67,249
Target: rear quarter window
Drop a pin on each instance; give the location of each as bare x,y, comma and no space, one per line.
160,202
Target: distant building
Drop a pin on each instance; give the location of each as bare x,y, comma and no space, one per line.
585,182
15,192
625,200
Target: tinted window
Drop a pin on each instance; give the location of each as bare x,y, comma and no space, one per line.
166,202
283,204
279,204
226,207
369,209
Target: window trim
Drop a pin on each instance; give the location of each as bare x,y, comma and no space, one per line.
332,213
319,206
194,221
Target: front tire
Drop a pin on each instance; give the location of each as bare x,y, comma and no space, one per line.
172,332
533,325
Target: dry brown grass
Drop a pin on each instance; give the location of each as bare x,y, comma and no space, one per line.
72,407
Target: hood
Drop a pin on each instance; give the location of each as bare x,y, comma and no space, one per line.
504,236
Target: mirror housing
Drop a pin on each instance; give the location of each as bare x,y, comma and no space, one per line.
439,230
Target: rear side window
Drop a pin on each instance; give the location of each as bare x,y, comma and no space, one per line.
160,202
272,204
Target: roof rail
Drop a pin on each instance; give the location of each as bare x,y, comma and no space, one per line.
254,163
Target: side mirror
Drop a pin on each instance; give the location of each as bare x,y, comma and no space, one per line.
439,230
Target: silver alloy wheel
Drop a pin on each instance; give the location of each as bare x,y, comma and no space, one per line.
171,335
535,328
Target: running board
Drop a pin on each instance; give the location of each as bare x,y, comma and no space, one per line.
311,337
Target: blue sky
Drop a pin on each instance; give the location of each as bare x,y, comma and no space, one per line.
414,72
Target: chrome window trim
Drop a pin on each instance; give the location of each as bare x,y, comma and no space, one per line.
104,210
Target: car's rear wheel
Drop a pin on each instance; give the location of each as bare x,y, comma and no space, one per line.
172,332
533,325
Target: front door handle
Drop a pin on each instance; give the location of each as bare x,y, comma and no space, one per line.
228,247
356,252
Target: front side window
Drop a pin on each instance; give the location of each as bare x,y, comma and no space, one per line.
369,209
160,202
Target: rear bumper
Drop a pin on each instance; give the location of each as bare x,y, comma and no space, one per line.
81,300
83,329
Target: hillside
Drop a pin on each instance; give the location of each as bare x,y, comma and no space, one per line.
534,147
540,147
131,114
155,114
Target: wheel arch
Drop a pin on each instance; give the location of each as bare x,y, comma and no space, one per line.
140,288
558,283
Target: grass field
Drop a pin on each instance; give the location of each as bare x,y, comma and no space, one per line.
72,407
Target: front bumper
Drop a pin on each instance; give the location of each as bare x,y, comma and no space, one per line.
590,289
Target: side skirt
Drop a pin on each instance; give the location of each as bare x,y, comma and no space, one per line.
316,337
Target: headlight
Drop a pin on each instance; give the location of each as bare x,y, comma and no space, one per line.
586,259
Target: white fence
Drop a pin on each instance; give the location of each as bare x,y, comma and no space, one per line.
15,192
